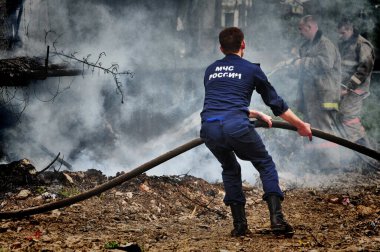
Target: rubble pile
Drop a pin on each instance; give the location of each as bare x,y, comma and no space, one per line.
185,213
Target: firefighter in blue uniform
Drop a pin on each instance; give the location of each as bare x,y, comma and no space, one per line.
227,132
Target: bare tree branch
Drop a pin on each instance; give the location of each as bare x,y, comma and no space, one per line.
113,69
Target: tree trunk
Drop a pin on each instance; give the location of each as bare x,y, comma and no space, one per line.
4,29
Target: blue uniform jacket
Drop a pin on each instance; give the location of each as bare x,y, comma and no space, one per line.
229,84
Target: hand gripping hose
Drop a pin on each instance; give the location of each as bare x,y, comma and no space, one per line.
329,137
163,158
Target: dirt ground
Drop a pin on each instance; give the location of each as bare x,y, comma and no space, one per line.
184,213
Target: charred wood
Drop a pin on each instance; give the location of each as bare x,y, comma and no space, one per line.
16,173
21,70
60,160
49,165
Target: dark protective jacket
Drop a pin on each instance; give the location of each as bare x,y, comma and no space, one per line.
226,130
320,72
358,59
229,84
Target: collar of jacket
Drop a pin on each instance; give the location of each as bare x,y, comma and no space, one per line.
317,37
232,55
352,40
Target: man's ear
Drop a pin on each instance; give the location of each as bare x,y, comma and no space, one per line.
221,49
242,45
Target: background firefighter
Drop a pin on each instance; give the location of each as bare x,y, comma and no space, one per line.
319,90
358,59
227,132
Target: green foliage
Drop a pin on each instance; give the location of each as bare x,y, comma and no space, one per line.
111,245
68,192
39,190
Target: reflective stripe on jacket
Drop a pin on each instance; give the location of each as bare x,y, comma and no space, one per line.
358,58
321,70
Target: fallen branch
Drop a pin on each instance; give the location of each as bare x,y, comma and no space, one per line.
319,244
48,166
64,162
196,202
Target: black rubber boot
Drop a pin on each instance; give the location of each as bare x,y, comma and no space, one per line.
278,223
240,221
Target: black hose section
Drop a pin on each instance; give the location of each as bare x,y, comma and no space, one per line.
103,187
165,157
329,137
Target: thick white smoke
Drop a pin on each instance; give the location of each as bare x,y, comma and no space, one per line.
88,124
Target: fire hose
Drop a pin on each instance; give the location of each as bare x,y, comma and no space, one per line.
165,157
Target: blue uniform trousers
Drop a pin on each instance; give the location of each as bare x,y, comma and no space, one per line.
227,137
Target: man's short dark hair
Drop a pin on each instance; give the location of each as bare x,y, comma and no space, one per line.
345,22
348,23
230,39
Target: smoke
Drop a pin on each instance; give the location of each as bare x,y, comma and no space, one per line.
87,123
298,159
